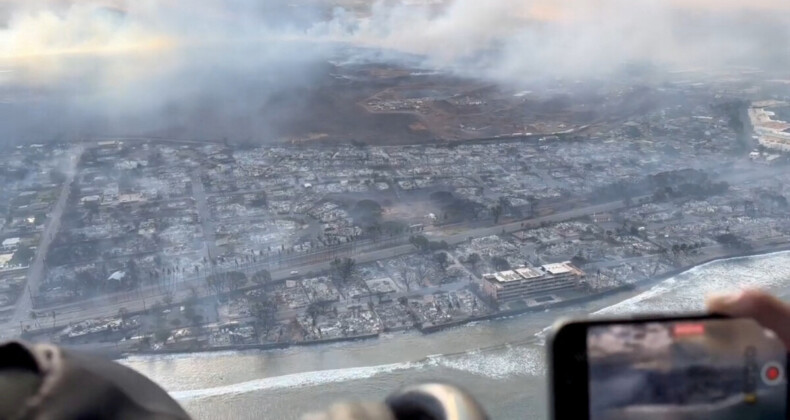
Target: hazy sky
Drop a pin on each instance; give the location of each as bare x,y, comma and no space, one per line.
96,65
565,32
40,27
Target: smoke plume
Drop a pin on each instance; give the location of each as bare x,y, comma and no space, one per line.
239,69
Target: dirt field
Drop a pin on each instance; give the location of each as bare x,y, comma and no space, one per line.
386,104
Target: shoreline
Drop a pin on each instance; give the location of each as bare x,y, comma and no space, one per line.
637,287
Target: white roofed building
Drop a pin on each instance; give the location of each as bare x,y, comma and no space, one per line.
117,276
526,282
10,243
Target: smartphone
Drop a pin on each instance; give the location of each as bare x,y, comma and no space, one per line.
645,368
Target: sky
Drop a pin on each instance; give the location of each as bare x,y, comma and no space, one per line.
107,65
40,28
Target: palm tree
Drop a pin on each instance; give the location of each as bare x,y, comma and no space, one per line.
122,313
496,211
533,201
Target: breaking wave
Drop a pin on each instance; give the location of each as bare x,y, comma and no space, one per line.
495,362
513,360
686,291
296,380
130,358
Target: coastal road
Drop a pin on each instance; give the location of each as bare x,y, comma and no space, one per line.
108,306
199,194
457,237
87,310
36,271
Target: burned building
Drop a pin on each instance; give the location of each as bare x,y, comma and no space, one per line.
520,283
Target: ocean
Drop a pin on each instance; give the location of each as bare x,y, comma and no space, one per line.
501,361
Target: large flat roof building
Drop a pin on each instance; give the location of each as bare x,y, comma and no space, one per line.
10,243
771,133
525,282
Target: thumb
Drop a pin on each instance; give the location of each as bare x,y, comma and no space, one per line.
766,309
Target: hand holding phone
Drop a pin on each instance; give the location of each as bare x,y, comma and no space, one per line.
766,309
693,367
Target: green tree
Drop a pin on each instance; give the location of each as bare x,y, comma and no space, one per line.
156,308
442,260
533,201
420,242
442,198
167,299
145,342
407,277
22,256
367,213
265,311
313,311
122,314
57,176
496,211
236,280
189,310
259,200
473,259
500,263
262,277
438,245
343,268
162,334
504,202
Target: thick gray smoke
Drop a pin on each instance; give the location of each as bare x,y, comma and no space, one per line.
200,69
240,69
514,40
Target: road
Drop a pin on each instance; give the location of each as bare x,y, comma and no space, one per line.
36,271
109,305
199,193
316,261
458,237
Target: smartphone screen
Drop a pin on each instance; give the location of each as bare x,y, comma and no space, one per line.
686,369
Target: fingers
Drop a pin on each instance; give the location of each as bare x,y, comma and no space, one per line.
766,309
